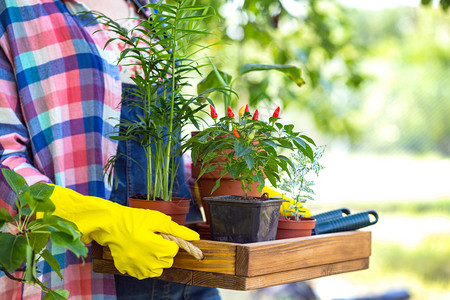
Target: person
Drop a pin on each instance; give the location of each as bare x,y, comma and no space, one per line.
59,100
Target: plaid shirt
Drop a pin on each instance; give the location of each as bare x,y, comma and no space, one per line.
59,97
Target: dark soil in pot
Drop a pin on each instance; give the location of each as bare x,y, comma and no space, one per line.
178,208
236,220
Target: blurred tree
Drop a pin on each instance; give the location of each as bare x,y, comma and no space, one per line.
315,35
445,4
409,105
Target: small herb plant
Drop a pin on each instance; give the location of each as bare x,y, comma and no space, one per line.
25,239
247,148
164,47
297,186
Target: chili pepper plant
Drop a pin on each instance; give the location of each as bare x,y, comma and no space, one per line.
254,149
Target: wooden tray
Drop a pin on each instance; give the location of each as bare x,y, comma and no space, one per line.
258,265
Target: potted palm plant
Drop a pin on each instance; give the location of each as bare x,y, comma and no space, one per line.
299,188
165,55
251,151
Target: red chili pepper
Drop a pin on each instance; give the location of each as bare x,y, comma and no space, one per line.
276,113
256,115
213,112
246,108
235,133
230,112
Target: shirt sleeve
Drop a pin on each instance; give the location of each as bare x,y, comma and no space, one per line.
15,148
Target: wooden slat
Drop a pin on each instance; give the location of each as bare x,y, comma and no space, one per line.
282,255
305,274
220,257
172,274
243,283
96,250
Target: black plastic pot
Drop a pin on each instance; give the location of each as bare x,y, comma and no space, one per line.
236,220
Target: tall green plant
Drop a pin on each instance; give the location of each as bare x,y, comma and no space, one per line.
163,46
26,238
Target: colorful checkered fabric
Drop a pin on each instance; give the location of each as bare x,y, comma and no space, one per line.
59,97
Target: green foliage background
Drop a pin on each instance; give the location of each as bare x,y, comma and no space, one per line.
374,78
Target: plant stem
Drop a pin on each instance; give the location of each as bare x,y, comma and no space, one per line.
172,104
10,276
148,153
148,148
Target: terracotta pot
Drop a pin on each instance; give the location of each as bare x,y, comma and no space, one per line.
292,228
204,230
178,208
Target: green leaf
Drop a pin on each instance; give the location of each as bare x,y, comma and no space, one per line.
213,81
250,161
51,260
38,240
44,205
67,241
216,186
5,217
241,149
233,170
26,211
260,188
292,72
64,228
308,139
289,128
270,143
58,294
41,190
15,181
26,198
12,251
259,177
207,169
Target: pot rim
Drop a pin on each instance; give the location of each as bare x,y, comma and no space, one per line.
239,199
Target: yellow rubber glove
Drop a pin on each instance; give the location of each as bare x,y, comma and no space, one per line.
128,232
285,205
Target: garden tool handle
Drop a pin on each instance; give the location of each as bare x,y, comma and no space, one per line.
347,223
185,245
331,215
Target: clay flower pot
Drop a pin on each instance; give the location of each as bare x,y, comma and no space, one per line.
178,208
292,228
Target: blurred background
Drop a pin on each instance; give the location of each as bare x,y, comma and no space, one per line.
377,93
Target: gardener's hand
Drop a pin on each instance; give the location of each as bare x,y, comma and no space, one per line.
129,232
